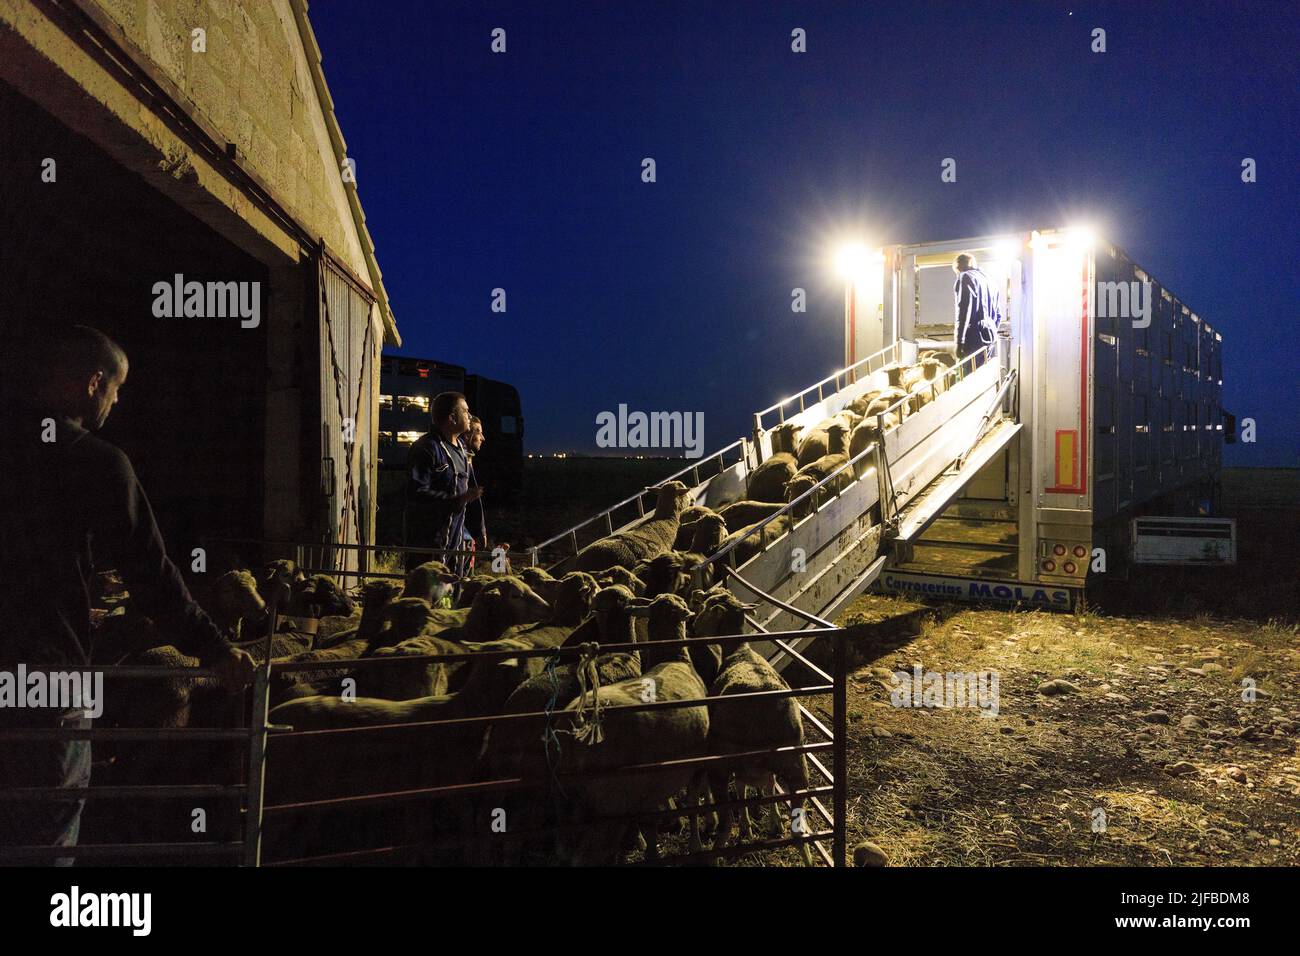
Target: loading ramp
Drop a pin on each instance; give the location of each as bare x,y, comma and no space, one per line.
838,542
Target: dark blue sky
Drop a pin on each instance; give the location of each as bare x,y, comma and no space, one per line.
522,171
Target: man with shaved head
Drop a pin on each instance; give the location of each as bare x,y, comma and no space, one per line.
71,505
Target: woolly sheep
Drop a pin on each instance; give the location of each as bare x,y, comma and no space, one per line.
785,438
895,374
511,748
235,599
813,443
376,595
482,576
638,737
491,683
831,438
686,526
834,459
863,437
796,488
275,583
885,400
318,596
755,725
570,612
501,604
942,356
743,513
671,572
665,574
769,478
626,548
541,581
393,622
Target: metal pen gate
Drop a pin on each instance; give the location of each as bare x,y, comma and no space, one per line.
348,359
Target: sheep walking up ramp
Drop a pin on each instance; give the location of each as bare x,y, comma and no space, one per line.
841,539
832,555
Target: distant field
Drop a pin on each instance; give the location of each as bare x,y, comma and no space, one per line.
1253,488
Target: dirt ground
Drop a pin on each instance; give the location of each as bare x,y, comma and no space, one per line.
1151,729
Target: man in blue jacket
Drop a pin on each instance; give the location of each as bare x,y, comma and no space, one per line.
438,485
977,319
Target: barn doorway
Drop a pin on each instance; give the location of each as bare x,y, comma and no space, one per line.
88,248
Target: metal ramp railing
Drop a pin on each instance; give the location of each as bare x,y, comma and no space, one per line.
835,538
838,541
732,463
602,523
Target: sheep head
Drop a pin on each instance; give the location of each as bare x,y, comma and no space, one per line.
504,602
432,581
573,596
721,612
666,619
235,593
377,594
545,586
611,606
785,437
622,577
666,573
700,597
694,513
537,578
275,584
797,485
664,613
862,436
710,532
673,496
837,438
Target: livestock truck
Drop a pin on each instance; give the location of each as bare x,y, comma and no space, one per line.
408,385
1117,392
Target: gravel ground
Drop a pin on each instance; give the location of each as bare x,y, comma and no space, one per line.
1116,741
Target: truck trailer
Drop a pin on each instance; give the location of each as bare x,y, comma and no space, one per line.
1119,387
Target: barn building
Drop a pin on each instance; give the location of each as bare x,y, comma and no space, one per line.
174,174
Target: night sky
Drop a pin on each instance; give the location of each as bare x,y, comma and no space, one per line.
523,171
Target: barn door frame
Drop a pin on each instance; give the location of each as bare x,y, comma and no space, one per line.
343,301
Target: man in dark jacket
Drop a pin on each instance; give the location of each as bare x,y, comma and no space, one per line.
70,504
438,485
977,310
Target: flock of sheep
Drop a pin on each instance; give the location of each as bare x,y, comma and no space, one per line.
631,588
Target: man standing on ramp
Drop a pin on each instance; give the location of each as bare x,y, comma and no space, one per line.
977,311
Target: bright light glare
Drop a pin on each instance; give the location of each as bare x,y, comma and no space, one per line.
1082,237
855,260
1006,250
